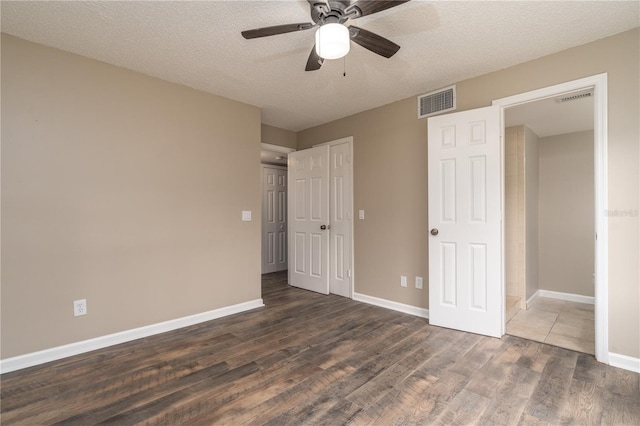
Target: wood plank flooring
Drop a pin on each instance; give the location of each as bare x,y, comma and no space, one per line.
306,358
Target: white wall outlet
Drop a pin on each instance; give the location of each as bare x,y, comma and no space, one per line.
403,281
419,283
361,214
79,307
246,215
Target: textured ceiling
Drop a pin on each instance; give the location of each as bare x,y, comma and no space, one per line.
198,44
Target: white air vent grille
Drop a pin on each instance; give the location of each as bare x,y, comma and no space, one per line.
437,102
573,97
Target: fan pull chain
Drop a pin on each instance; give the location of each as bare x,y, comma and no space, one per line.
344,66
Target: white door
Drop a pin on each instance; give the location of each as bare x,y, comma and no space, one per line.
465,221
340,220
309,218
274,219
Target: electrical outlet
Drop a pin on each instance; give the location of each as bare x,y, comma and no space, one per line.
79,307
403,281
419,283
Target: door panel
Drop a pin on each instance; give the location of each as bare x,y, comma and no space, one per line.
449,274
465,265
308,212
318,261
299,250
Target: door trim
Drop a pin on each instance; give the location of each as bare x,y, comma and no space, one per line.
349,140
599,84
276,148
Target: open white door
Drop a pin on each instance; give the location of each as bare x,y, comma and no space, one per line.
465,221
309,219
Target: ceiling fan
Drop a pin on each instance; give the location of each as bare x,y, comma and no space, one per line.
332,36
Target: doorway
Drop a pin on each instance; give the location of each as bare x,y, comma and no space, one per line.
274,207
467,271
274,218
597,85
549,221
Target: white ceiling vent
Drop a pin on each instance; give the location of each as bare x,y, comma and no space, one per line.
436,102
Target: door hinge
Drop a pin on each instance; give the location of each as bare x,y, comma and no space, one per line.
349,273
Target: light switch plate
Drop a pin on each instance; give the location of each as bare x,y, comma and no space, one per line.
361,214
246,215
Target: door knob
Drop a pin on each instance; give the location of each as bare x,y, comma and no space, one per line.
323,227
434,231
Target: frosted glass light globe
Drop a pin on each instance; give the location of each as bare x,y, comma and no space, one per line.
332,41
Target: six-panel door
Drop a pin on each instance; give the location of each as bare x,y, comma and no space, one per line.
309,218
465,265
274,220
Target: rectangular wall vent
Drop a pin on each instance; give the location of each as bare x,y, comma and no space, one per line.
573,97
436,102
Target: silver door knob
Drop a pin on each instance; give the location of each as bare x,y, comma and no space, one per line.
434,231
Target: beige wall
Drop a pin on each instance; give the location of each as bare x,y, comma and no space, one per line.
390,184
566,225
532,179
514,212
521,212
390,181
278,136
121,189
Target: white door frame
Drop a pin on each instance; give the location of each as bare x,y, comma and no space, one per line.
349,140
599,84
276,148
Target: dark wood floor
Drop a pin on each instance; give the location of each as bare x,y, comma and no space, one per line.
312,359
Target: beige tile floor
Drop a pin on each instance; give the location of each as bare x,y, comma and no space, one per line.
560,323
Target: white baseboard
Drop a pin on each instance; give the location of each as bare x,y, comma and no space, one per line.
561,296
624,362
59,352
566,296
532,298
395,306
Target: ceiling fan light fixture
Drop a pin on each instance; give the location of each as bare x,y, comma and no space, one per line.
332,41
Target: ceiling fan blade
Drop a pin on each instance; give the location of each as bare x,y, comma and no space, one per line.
368,7
275,30
373,42
314,62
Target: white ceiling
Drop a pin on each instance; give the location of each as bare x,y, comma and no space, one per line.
273,157
198,44
548,117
